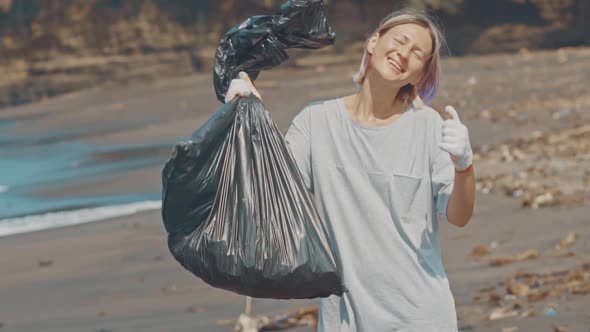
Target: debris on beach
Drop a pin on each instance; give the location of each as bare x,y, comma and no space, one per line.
560,253
502,313
546,168
524,256
568,241
551,312
519,289
195,309
169,289
582,289
530,312
45,263
225,322
490,297
306,316
247,323
517,295
483,249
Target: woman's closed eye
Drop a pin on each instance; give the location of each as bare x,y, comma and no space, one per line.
416,52
418,55
398,41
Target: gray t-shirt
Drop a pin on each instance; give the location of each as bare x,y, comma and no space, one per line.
380,191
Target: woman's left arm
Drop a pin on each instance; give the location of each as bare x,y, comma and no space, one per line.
462,200
455,141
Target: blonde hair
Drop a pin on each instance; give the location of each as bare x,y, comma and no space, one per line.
427,86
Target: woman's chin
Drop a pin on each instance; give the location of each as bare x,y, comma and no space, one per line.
392,76
388,75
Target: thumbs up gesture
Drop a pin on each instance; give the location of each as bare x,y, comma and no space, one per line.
455,140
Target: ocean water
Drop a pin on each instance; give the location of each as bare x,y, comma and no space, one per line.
29,166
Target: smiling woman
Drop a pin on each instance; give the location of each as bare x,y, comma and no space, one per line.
413,42
384,170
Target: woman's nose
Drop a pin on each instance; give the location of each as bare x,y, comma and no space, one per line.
403,53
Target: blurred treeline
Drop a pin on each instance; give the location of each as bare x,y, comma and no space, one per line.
49,47
41,28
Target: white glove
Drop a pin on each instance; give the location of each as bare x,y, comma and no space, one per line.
455,140
242,87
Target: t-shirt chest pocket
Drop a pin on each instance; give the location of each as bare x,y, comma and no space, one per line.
408,197
404,196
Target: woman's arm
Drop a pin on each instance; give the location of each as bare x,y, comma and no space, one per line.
462,200
455,140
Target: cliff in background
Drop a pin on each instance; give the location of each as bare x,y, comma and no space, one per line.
51,47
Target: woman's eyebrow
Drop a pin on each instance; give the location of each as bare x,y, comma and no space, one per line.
408,38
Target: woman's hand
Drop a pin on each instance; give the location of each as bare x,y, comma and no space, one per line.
455,140
241,87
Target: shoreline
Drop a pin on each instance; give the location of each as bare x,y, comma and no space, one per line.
65,218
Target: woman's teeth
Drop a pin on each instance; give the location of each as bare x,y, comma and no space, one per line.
394,64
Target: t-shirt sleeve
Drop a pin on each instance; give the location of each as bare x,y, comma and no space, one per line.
442,172
299,141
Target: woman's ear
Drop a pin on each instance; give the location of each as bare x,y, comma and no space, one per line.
372,43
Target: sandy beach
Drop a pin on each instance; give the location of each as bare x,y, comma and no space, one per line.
118,275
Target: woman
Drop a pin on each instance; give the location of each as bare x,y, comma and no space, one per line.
384,170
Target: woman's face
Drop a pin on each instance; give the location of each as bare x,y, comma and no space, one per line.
401,53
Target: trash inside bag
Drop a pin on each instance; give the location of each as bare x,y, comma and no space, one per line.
260,42
238,213
234,204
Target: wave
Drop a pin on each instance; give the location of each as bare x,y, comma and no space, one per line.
74,217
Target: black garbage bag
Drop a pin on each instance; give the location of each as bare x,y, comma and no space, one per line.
260,42
236,209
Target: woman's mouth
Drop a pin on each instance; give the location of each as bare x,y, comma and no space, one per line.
395,65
